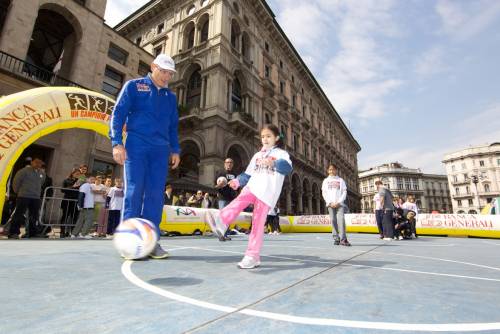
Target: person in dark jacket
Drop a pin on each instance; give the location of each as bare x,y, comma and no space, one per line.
27,185
68,204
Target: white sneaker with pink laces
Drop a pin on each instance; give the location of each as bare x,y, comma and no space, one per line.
248,262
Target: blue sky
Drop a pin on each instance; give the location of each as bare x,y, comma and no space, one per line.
413,79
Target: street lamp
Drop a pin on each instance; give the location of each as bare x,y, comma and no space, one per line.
475,179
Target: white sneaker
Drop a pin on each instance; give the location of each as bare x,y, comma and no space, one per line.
87,237
216,225
248,262
72,236
400,238
387,239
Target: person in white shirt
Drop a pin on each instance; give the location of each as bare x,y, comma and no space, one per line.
114,202
409,206
262,183
334,191
86,207
379,214
100,191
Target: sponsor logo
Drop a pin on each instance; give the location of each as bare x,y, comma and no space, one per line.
185,212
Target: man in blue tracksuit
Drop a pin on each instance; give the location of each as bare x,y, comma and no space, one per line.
148,110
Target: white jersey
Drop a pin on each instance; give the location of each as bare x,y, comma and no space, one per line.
99,198
265,182
116,198
334,190
376,199
410,206
88,201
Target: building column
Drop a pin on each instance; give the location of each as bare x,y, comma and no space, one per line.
288,193
309,203
16,32
300,207
230,93
203,101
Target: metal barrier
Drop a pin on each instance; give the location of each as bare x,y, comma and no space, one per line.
57,210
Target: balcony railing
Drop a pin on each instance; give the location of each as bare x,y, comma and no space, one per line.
32,72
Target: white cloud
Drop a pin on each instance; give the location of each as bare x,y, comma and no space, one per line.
463,20
432,62
117,10
479,128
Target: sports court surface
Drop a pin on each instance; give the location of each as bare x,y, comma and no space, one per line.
304,285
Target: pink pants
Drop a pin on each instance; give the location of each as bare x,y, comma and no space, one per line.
260,210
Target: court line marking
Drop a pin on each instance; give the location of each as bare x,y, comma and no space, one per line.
492,243
126,270
389,253
364,265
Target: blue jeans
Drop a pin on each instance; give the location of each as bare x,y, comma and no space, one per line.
379,216
146,170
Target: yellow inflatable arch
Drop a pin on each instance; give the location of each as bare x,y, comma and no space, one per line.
32,114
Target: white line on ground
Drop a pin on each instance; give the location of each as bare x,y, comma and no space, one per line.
127,272
368,266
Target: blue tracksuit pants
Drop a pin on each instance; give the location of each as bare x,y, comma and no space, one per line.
146,170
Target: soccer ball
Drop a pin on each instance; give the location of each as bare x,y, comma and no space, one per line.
135,238
222,181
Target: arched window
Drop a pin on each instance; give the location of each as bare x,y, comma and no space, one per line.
193,95
204,31
235,35
245,46
189,36
236,96
190,10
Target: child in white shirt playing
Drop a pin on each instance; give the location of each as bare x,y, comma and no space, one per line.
262,183
334,192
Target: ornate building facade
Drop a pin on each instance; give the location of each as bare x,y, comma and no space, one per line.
236,71
430,190
473,177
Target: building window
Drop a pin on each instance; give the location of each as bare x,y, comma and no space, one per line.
283,132
138,40
193,96
103,168
160,28
466,177
158,50
457,191
455,178
143,69
81,2
459,202
190,10
481,163
294,100
467,190
204,31
245,46
117,54
293,79
266,46
498,162
267,71
487,188
306,150
295,143
236,7
471,202
113,81
281,64
236,96
452,168
235,35
282,87
463,165
204,3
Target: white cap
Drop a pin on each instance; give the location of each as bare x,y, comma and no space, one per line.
165,62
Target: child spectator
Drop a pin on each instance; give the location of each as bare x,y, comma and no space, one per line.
86,207
114,201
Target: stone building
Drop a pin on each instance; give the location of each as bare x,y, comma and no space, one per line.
473,177
66,43
430,190
236,71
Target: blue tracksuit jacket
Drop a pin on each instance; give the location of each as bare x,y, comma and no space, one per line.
151,119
